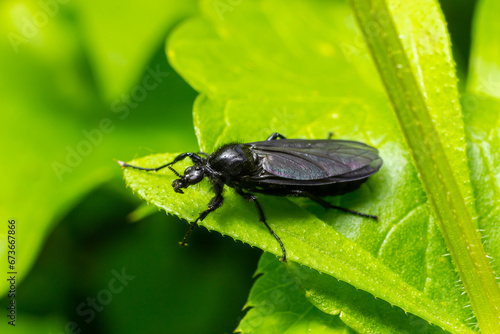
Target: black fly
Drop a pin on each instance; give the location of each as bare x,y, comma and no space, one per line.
284,167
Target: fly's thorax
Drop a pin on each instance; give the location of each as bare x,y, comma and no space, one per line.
233,160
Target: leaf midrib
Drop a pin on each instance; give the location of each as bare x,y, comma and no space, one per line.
429,155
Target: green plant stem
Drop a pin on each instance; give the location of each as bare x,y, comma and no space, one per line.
429,154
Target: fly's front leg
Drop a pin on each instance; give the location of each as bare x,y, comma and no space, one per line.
253,198
215,203
275,136
194,157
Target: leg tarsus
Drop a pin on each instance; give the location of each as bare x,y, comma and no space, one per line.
188,233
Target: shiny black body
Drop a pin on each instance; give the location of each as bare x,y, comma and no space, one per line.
280,167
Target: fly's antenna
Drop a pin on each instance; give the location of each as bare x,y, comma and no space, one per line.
175,172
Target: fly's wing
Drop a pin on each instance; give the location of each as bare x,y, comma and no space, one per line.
296,161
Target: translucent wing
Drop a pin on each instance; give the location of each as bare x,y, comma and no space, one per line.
296,161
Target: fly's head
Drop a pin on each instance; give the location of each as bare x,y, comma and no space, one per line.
192,175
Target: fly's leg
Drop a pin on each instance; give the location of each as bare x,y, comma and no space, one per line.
215,203
275,136
253,198
327,205
194,157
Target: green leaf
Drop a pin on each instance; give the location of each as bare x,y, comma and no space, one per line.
305,80
358,309
55,148
482,113
35,127
310,241
364,313
278,305
483,139
121,37
484,76
408,53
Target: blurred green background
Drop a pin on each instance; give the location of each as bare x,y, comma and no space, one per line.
83,83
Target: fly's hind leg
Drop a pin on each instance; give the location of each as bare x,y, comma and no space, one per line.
327,205
275,136
252,198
